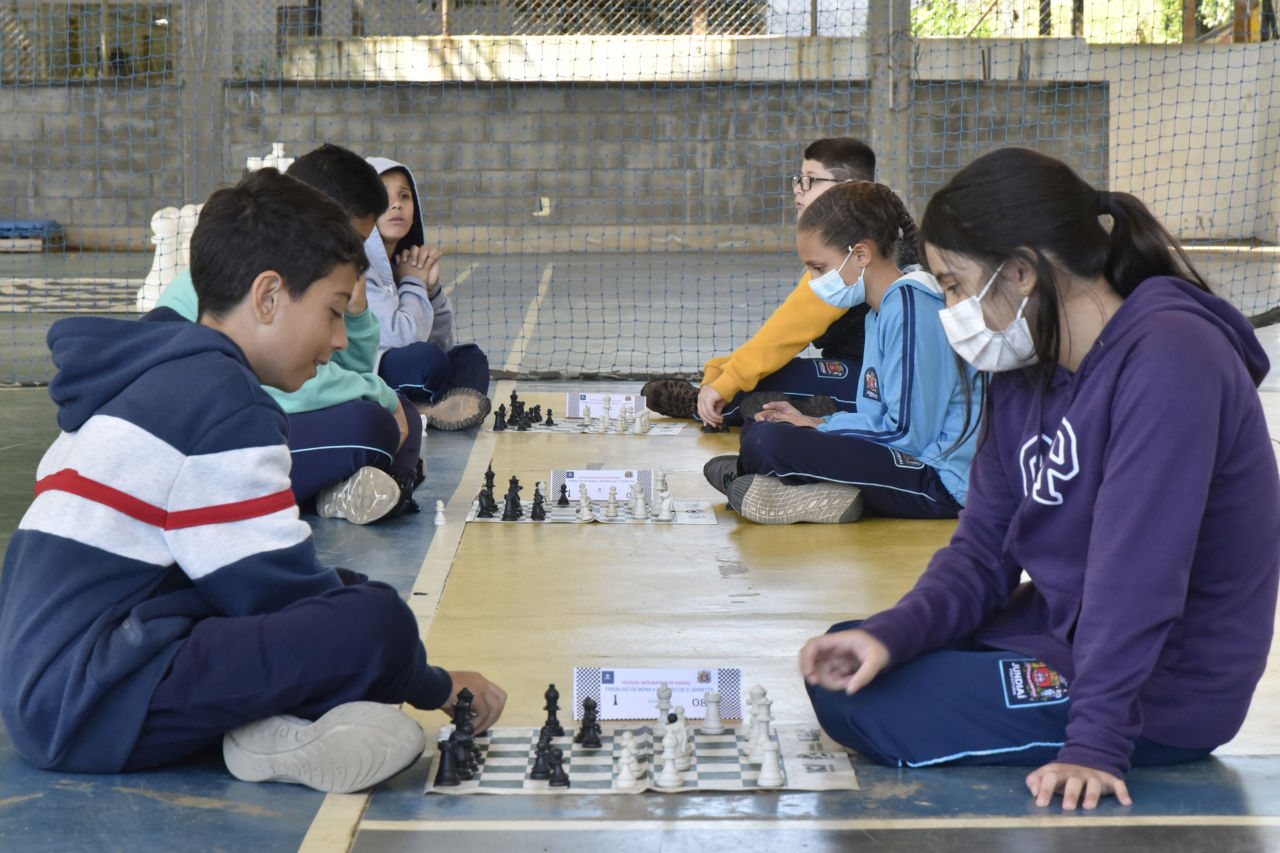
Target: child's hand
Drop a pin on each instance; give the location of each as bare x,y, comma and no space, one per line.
421,263
359,300
1074,779
710,405
489,700
784,412
845,660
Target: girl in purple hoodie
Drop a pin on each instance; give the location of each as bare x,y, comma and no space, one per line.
1124,466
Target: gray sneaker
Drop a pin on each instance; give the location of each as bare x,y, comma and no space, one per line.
720,471
767,500
352,747
457,408
367,495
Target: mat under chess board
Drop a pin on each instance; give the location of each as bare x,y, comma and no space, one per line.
578,425
810,762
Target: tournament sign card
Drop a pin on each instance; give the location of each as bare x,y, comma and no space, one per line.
598,483
628,693
575,403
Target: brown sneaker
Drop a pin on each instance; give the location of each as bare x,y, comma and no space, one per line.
674,398
457,408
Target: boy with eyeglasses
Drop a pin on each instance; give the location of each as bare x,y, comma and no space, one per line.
764,369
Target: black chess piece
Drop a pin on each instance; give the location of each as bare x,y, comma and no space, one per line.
462,706
522,423
563,500
517,410
446,772
537,512
514,399
591,736
461,756
548,421
559,777
535,415
483,509
552,725
488,478
511,509
500,419
541,763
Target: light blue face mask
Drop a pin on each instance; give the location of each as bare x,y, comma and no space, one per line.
832,290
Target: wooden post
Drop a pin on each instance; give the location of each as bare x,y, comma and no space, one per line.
1190,20
890,50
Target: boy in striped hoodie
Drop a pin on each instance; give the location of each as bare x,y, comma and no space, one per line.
161,593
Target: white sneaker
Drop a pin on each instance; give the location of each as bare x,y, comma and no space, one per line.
352,747
767,500
367,495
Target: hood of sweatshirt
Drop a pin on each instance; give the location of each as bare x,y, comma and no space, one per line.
98,357
1163,293
379,261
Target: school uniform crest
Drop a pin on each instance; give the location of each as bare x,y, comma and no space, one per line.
1048,462
831,369
1030,683
871,384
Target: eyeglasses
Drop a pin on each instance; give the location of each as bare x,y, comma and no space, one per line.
804,183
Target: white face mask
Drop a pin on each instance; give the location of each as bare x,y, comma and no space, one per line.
984,348
832,290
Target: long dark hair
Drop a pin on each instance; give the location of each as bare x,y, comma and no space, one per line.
854,211
1018,202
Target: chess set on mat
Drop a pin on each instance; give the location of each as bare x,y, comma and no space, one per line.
638,508
671,757
520,418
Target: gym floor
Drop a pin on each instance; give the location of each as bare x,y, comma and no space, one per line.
526,603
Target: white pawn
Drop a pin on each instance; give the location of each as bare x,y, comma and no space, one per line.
439,513
712,724
754,695
626,774
586,413
644,417
770,766
611,508
659,480
670,776
628,742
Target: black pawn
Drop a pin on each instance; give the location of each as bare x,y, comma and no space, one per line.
446,772
548,421
559,777
500,419
535,415
537,513
522,424
563,500
541,764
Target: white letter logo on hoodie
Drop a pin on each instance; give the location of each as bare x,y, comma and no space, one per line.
1042,472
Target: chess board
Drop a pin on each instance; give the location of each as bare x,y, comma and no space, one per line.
578,425
687,512
810,762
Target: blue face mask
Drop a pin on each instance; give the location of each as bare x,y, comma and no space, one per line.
832,290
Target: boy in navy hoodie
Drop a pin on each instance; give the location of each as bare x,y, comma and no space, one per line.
161,593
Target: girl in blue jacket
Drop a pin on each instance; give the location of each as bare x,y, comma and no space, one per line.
1125,467
905,452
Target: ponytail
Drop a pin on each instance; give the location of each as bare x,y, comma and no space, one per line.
1140,247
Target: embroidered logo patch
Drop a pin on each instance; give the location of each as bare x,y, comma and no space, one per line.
1031,682
871,384
831,369
902,460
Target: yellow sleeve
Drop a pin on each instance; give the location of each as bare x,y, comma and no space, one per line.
791,328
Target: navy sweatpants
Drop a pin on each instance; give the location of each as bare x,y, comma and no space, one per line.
329,445
836,378
893,484
963,705
359,642
423,371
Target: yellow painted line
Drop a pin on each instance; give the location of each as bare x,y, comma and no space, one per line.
333,830
685,824
530,322
462,277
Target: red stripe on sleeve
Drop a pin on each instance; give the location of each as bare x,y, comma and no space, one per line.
71,481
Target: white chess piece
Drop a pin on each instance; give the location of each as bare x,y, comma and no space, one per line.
754,695
764,733
667,510
670,776
675,729
628,741
770,766
440,513
683,733
712,724
664,703
608,405
626,776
